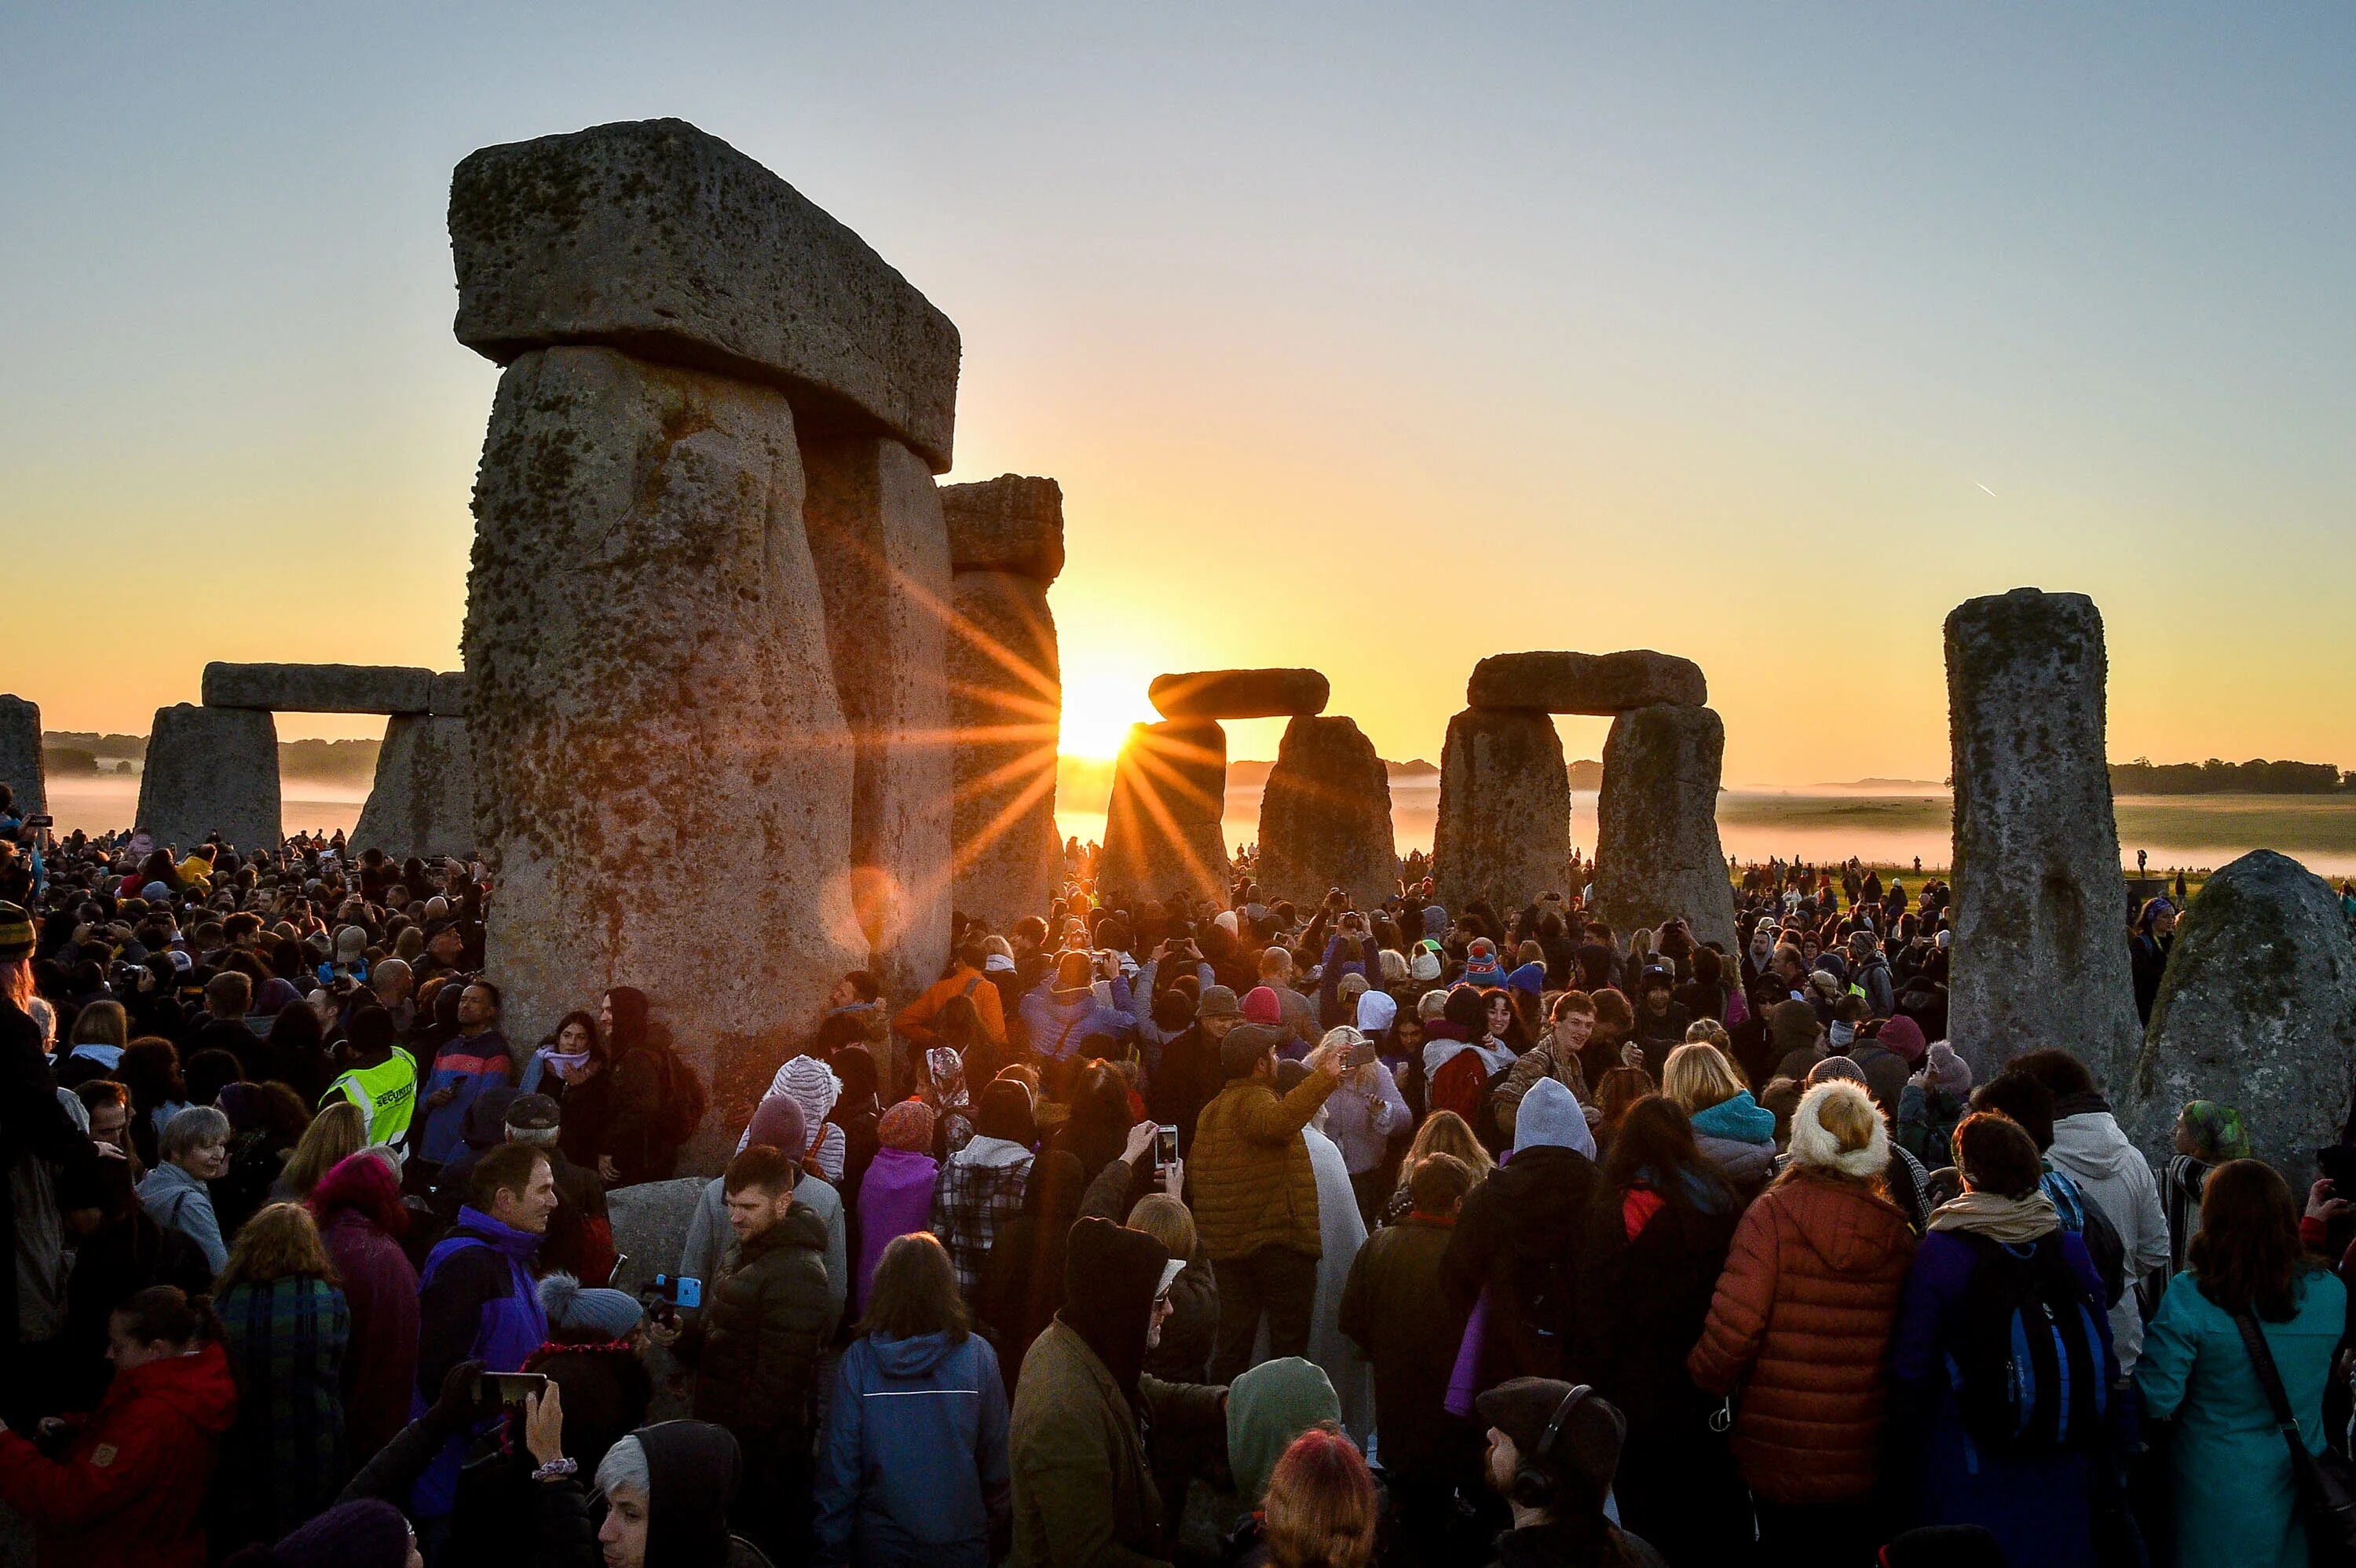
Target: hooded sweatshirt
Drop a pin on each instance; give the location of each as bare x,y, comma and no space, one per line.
130,1490
1059,1020
693,1471
2115,1178
179,1201
1267,1407
914,1468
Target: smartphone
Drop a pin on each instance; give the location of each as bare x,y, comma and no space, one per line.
1360,1054
1165,1146
40,819
679,1290
509,1387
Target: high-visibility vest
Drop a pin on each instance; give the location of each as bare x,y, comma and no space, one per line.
386,1094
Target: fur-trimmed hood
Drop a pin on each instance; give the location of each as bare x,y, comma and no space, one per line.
1814,1145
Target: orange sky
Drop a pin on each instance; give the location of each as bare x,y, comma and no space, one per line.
1761,339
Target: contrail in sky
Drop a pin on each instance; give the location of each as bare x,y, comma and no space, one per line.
1992,495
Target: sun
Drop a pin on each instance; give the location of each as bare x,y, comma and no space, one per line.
1099,708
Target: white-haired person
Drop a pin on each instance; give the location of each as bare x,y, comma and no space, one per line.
193,1150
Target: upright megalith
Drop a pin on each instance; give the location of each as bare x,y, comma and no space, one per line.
1503,832
881,555
211,770
422,801
1239,694
22,766
1597,684
670,782
2038,958
655,238
1325,816
1163,830
2257,1009
1657,851
1005,677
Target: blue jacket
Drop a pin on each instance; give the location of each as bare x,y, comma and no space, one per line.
915,1469
476,1301
1059,1020
468,1064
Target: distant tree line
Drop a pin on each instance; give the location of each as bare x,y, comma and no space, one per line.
70,753
2215,776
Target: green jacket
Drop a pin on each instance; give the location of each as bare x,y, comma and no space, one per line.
764,1324
1084,1497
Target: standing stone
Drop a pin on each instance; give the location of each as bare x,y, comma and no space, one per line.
1586,683
2257,1011
1006,707
1011,523
447,697
2040,959
1325,816
22,767
423,802
649,1220
880,551
663,775
652,237
211,770
1162,829
1657,851
1503,832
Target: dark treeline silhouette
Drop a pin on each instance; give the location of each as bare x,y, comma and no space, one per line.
2144,777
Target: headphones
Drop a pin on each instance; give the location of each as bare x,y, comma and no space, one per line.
1532,1487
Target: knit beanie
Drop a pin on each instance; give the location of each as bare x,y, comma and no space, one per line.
1903,1037
1586,1451
1261,1007
368,1532
1218,1002
907,1126
1005,1113
575,1309
1243,1047
778,1123
1832,1067
1950,1073
15,931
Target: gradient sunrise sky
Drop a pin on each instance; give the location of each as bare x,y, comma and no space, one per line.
1369,338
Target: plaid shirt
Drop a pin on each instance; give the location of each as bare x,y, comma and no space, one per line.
971,1202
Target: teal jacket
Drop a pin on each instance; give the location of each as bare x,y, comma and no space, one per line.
2234,1487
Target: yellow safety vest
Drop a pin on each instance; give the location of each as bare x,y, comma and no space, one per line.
386,1094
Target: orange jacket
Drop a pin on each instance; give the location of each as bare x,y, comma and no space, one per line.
916,1020
1801,1326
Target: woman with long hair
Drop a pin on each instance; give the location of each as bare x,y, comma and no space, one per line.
1803,1320
337,1132
2236,1500
151,1071
1321,1510
1442,1132
914,1468
574,1067
94,1046
646,1073
1734,1132
1657,1242
286,1325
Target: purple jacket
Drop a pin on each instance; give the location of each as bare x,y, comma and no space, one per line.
895,1199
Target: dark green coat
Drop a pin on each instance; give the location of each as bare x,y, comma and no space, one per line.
764,1324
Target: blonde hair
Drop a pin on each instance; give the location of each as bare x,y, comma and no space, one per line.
102,1023
1445,1131
334,1134
281,1240
1708,1031
1697,1075
1167,1221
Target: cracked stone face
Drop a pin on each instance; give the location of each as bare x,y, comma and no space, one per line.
1503,832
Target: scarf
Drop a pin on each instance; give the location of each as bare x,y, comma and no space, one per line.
566,1063
2013,1222
1737,1119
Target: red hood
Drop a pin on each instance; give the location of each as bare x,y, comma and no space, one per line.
196,1386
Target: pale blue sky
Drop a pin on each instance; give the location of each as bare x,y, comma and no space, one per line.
1377,338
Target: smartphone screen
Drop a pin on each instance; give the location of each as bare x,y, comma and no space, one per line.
1361,1054
1166,1144
510,1387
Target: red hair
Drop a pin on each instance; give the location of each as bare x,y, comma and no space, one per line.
1321,1510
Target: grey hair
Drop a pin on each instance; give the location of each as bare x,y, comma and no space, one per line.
624,1468
192,1128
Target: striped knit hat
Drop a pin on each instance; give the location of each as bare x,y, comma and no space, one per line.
15,931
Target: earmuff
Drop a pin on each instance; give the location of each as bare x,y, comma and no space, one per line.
1532,1487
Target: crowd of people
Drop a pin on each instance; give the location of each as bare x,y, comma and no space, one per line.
1172,1230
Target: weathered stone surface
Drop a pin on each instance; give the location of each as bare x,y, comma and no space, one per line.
1586,683
447,697
423,802
663,776
211,770
2040,959
2257,1011
1325,816
22,768
1011,523
1657,858
1163,832
650,1222
1006,707
654,237
319,688
1239,694
881,555
1503,832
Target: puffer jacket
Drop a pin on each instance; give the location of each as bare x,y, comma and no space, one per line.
1250,1180
2113,1175
1803,1321
759,1339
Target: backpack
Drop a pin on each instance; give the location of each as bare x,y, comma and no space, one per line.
683,1101
1460,1086
2026,1358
